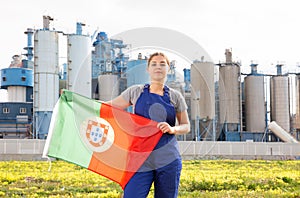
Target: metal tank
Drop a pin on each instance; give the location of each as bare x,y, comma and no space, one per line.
281,133
46,78
255,102
203,91
203,98
280,101
45,70
230,94
79,64
108,85
297,98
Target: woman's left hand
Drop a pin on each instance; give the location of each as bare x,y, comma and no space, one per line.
166,128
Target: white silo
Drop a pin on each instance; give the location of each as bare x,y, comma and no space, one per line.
79,64
46,77
255,102
108,86
203,98
230,94
280,100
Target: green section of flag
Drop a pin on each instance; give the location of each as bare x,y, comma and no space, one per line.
66,142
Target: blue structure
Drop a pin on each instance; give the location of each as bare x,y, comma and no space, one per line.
16,115
253,69
108,56
279,69
136,71
187,79
63,72
16,77
171,77
15,120
28,63
79,28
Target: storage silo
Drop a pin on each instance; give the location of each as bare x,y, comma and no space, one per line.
255,102
108,86
280,100
79,64
297,98
203,98
46,77
230,94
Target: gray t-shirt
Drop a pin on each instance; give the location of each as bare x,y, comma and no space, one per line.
131,95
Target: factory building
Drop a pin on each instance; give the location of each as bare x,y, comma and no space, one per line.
16,115
224,104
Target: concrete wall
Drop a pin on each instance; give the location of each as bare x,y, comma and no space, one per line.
30,149
239,150
21,149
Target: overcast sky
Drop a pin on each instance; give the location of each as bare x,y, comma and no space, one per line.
266,31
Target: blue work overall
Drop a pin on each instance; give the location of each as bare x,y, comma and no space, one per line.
163,166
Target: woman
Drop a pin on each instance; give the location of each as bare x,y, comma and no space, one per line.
158,102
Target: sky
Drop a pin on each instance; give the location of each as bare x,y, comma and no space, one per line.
266,32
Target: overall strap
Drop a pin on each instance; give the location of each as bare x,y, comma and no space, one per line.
166,90
146,88
167,94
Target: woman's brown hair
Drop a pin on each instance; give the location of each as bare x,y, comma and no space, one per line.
158,54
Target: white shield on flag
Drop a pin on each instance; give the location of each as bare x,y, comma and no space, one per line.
98,134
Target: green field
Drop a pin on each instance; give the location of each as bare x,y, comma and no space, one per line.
200,178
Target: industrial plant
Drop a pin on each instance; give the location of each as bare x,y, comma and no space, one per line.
224,104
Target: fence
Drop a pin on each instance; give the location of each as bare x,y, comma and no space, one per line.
32,149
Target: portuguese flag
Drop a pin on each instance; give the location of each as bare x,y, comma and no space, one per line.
104,139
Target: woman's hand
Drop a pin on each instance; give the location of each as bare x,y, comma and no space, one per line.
166,128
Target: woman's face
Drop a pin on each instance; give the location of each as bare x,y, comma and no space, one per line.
158,68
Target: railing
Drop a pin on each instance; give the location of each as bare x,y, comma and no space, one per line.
31,149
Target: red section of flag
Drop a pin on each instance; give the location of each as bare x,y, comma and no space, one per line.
135,138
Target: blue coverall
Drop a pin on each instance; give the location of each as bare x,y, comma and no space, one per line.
163,166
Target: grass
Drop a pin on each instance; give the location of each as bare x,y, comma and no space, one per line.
199,178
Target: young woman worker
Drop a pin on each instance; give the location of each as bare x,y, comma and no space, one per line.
157,102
